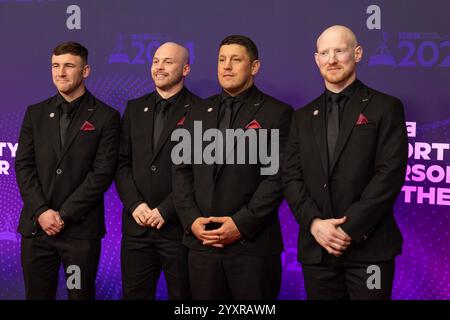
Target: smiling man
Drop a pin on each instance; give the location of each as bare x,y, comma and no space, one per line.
65,162
230,211
345,165
152,232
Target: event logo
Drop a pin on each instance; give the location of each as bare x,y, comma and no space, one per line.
428,175
382,55
142,48
7,149
7,154
413,49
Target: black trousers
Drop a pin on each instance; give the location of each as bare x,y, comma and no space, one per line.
143,258
338,279
41,261
215,275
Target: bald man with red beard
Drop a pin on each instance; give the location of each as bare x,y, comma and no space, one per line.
344,167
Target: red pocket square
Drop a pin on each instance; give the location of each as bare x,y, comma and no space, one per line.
253,125
181,121
87,126
362,120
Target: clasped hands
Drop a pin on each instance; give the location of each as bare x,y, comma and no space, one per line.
146,217
51,222
225,234
330,235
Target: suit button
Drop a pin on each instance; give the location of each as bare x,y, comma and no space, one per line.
34,232
153,168
59,171
325,186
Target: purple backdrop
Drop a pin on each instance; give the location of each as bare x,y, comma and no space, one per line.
406,54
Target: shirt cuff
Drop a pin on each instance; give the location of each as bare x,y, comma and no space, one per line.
163,213
65,216
40,211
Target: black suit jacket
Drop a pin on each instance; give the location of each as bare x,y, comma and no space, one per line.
364,179
236,190
144,171
72,180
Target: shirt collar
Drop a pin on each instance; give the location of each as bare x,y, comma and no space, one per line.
172,100
75,103
347,92
241,97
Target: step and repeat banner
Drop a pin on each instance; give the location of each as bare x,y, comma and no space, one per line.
406,54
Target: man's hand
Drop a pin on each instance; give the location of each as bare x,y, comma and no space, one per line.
154,219
343,232
330,236
226,234
140,214
198,227
51,222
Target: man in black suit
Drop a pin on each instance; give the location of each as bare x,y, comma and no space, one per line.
152,232
345,165
230,211
65,162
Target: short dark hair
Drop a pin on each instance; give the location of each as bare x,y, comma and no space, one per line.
73,48
243,41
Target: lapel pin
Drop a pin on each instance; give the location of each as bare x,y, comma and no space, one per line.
364,100
52,115
91,109
145,109
257,104
316,112
210,109
186,105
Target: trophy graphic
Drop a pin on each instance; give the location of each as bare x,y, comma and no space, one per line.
118,55
382,56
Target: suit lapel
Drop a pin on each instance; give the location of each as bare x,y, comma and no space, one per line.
245,115
248,110
52,117
319,128
179,110
209,119
145,117
87,108
210,112
351,113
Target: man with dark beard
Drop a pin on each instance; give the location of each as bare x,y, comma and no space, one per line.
229,210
